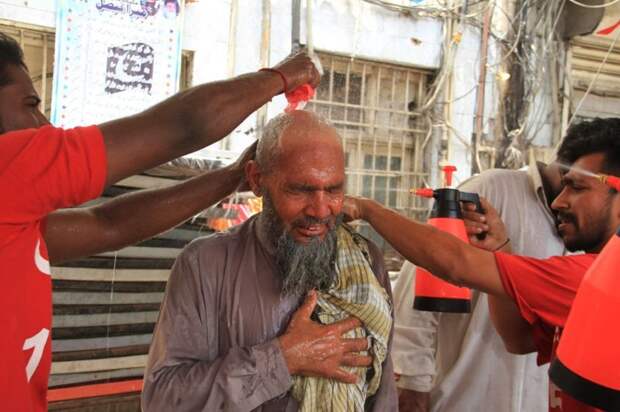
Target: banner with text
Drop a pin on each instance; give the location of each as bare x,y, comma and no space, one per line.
114,58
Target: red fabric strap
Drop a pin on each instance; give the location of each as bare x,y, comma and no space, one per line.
268,69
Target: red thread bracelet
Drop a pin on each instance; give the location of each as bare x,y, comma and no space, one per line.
268,69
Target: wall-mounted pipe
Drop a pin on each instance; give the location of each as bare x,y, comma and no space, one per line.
479,116
265,51
295,26
232,51
309,42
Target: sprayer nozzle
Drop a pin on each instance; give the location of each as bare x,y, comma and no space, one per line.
424,192
448,171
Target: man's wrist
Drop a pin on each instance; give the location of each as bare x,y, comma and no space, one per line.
504,246
235,169
414,400
280,75
274,82
367,208
283,343
272,371
229,177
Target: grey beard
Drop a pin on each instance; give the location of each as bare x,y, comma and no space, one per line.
306,267
303,267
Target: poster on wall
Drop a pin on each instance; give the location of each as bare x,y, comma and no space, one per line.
114,58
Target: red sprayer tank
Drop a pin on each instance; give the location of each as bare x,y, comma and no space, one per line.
430,292
587,366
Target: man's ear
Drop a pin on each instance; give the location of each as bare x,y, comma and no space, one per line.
253,176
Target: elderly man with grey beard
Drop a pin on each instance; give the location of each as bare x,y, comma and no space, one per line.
290,310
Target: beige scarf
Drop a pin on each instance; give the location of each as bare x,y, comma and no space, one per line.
357,293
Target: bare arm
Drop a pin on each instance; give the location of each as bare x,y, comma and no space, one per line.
413,401
195,118
181,124
127,219
441,253
452,260
510,325
515,332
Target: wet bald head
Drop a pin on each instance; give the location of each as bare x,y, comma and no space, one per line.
292,134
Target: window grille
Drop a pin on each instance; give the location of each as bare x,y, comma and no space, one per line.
187,70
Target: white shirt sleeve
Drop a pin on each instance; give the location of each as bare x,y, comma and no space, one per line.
415,337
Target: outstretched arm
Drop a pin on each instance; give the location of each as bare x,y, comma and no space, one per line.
453,260
195,118
179,125
439,252
127,219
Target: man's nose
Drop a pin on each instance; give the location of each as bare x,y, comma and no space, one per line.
318,206
561,201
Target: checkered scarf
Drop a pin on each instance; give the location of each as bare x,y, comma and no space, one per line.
357,293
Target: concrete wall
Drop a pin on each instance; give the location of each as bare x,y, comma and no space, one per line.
36,12
465,80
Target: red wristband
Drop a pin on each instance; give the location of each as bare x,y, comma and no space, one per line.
268,69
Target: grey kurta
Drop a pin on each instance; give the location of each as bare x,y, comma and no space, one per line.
215,345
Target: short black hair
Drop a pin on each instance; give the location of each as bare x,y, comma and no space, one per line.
593,136
10,53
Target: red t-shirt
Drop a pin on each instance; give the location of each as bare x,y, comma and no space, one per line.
544,290
40,170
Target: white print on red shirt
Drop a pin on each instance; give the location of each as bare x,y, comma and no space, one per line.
37,342
39,261
555,400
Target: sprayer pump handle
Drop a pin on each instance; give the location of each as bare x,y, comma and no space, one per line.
468,197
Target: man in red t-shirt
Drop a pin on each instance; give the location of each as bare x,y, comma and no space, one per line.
43,169
529,299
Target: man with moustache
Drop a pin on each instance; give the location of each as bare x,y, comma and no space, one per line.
436,355
231,333
529,298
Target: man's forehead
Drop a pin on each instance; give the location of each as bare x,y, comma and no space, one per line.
311,169
315,181
312,159
585,167
20,79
